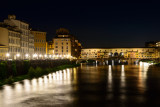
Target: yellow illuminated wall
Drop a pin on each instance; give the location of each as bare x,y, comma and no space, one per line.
39,42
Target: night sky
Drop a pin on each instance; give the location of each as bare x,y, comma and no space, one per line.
95,24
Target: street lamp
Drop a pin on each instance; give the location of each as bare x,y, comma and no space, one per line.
40,55
45,56
17,55
26,55
35,55
7,55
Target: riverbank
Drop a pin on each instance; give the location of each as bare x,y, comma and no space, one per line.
35,73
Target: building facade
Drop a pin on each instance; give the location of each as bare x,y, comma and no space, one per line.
24,35
135,53
31,45
11,38
66,45
39,42
3,51
50,48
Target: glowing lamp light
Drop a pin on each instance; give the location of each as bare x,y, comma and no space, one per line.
27,55
18,55
45,56
67,56
7,54
35,55
40,55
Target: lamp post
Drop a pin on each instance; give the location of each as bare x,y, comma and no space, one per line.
35,56
7,55
17,56
45,56
27,56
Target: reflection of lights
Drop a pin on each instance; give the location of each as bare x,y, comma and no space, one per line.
110,74
27,85
57,75
18,87
123,84
122,71
50,77
40,81
122,76
110,78
107,62
75,75
141,63
45,79
34,84
60,75
8,93
112,62
54,76
64,73
143,68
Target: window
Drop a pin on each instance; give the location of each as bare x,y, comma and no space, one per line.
56,46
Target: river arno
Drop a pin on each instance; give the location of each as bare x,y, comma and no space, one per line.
105,85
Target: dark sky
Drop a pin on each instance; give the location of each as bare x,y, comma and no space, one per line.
96,24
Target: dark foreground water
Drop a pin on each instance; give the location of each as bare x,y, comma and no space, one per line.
88,86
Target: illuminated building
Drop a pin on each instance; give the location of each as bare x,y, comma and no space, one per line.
3,52
39,42
10,38
66,45
50,48
23,27
135,53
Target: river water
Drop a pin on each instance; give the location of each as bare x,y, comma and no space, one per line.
84,86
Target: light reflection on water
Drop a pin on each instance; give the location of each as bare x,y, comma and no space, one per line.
84,85
20,90
143,69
